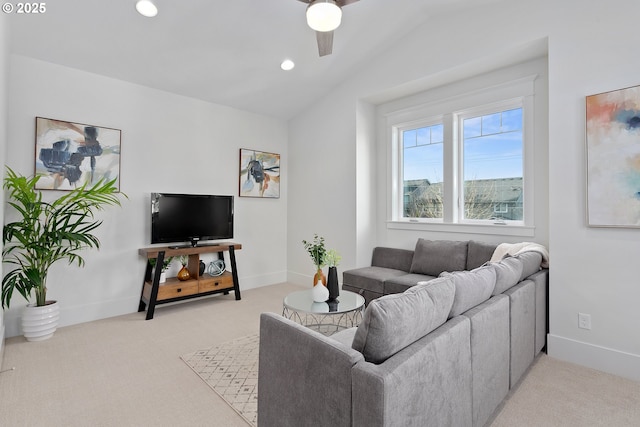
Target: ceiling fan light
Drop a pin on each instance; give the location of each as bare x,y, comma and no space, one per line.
146,8
324,15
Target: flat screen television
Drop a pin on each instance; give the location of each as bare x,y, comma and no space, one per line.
192,218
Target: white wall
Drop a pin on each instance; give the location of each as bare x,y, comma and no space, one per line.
590,50
169,144
4,67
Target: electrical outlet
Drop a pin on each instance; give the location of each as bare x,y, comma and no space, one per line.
584,321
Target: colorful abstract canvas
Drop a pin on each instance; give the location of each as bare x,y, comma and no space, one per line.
69,155
613,158
259,174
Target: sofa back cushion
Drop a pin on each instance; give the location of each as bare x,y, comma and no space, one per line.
432,257
478,253
393,322
530,263
508,273
397,259
472,288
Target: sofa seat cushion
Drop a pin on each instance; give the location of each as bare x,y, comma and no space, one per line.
392,322
508,272
472,288
370,278
399,284
432,257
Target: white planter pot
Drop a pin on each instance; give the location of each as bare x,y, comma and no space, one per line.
163,277
39,323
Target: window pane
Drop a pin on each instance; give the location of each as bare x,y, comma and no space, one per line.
422,181
409,138
491,124
512,120
436,133
472,127
493,172
423,137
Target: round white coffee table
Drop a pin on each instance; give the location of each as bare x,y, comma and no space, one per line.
325,317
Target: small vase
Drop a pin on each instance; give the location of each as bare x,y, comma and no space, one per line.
332,283
319,277
163,277
184,274
320,293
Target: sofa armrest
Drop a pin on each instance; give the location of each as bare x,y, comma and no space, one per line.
426,383
304,377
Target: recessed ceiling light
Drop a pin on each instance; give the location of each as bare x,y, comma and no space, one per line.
287,65
146,8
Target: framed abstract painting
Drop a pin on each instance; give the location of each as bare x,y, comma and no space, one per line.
68,155
613,158
259,174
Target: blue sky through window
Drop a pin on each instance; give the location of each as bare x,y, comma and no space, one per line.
492,148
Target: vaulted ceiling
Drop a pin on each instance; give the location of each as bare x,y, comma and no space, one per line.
225,52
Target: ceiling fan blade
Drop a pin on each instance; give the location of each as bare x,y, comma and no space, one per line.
345,2
325,42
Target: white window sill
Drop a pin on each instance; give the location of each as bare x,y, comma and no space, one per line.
493,229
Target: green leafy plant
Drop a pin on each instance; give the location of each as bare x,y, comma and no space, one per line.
333,258
184,259
47,232
165,263
316,250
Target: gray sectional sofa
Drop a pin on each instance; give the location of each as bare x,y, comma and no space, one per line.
438,348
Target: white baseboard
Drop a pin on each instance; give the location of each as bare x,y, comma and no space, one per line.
300,279
593,356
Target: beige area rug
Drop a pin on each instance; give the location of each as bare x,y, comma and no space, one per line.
231,370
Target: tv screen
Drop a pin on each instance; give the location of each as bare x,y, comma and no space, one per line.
177,218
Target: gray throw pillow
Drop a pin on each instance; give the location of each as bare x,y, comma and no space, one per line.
508,272
432,257
472,288
392,322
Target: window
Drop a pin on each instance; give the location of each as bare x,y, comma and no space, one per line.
458,165
492,165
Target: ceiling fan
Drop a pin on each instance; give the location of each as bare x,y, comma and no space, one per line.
324,16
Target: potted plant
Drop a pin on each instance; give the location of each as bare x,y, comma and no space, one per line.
163,269
44,233
333,258
317,252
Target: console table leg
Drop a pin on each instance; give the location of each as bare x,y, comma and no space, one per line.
154,286
234,271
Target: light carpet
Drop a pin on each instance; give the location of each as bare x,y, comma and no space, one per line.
231,370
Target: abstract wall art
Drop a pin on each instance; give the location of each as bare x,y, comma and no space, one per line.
259,174
613,158
69,155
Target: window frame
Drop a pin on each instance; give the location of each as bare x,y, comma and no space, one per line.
517,93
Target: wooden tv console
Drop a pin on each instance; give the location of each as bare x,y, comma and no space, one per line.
154,293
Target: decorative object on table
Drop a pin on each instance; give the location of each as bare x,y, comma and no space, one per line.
184,274
613,158
333,258
216,267
320,293
317,253
43,233
259,174
69,155
163,270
